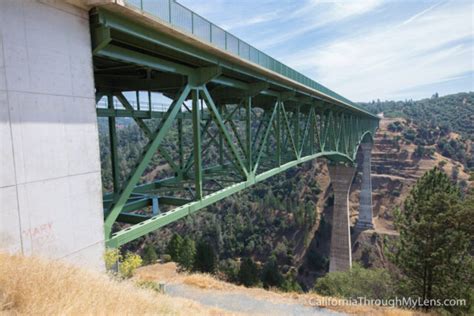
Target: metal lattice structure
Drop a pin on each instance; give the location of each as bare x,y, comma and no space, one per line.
231,122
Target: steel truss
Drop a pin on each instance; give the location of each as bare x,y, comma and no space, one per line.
226,128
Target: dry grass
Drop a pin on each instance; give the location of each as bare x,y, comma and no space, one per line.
167,273
36,286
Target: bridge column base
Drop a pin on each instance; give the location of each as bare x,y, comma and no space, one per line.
340,258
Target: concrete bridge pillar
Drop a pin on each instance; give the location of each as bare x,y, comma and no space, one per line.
50,182
340,258
365,208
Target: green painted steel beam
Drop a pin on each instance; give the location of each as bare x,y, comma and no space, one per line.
149,225
114,159
197,145
130,218
150,38
147,155
270,128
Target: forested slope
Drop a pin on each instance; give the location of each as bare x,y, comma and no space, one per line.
281,227
446,122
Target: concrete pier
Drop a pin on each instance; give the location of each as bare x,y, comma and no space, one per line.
365,220
50,184
340,258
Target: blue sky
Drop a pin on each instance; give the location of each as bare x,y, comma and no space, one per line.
364,49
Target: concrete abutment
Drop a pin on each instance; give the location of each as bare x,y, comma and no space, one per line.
50,181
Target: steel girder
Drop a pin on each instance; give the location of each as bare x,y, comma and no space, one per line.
225,129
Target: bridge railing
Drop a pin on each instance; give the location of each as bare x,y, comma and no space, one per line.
188,21
137,106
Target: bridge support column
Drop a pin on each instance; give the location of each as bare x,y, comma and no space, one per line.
365,208
340,258
50,180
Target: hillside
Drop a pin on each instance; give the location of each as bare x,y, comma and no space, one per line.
33,286
286,219
442,122
236,222
395,169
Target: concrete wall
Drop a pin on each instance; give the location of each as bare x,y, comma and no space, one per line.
50,186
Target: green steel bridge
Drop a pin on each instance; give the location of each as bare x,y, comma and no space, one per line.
235,117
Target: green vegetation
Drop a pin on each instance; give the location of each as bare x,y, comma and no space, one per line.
436,240
269,220
248,273
149,255
174,247
359,282
266,225
122,265
271,276
432,257
186,254
205,259
272,218
435,119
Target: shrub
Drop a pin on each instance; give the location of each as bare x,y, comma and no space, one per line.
230,269
149,255
248,273
290,284
409,135
112,257
124,266
358,282
150,285
395,126
317,261
166,258
129,264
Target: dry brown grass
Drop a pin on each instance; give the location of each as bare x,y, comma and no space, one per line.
167,273
36,286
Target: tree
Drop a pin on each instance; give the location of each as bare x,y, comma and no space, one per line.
290,284
230,268
248,273
174,247
205,259
433,251
271,276
149,255
186,254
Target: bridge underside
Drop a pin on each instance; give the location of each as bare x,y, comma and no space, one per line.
226,127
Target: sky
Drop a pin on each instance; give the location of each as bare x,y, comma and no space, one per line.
365,49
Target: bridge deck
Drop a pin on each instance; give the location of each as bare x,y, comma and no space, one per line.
220,51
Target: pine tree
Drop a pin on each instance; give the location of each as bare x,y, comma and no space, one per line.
149,255
433,251
174,246
271,276
186,254
248,273
205,259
